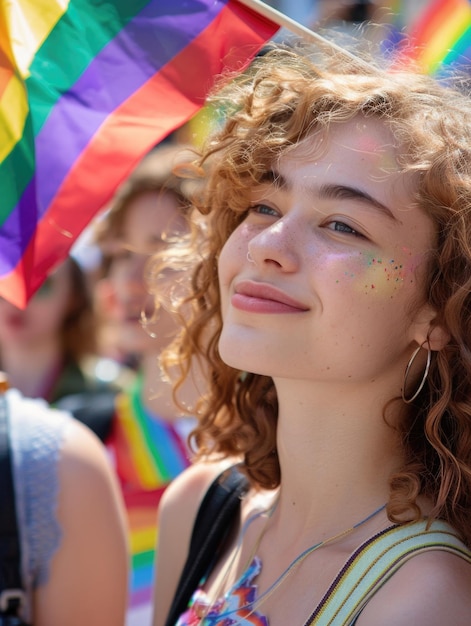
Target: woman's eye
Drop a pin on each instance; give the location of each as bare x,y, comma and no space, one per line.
341,227
264,209
121,255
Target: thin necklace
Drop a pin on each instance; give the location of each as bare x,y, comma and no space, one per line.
294,564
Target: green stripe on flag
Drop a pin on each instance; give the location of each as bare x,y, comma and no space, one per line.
80,23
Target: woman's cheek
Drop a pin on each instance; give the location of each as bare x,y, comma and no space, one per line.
230,263
372,274
233,255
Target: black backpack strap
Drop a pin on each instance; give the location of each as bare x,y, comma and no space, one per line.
95,408
11,593
213,522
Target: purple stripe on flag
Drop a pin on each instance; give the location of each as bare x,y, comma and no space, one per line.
18,229
148,42
141,596
141,49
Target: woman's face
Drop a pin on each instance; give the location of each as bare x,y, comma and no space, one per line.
43,319
324,279
150,221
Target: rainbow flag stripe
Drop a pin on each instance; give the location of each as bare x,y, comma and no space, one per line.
441,36
86,89
148,453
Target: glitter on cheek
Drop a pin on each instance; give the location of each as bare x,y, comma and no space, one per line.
370,273
350,266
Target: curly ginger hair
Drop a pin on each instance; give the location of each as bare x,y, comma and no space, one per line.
287,94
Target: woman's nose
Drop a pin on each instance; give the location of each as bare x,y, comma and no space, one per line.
277,246
134,275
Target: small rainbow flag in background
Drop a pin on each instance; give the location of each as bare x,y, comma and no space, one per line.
86,89
441,37
148,453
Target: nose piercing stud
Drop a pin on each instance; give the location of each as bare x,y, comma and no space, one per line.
249,258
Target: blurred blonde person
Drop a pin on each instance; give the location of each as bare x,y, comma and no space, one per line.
149,432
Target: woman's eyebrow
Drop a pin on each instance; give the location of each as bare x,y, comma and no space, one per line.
331,191
347,192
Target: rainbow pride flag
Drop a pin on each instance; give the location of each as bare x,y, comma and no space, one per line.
148,453
86,89
441,37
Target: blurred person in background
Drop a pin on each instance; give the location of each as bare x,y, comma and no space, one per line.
43,347
354,11
49,349
367,19
148,441
67,559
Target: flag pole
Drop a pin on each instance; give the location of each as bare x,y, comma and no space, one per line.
298,29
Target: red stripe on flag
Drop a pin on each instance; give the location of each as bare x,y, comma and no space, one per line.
432,20
162,104
15,287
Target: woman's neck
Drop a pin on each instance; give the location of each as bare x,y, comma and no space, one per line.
334,448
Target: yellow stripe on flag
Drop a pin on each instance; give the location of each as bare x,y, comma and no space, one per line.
24,25
29,22
137,444
143,540
13,113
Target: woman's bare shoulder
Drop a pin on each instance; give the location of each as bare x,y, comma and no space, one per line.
185,492
93,551
177,512
180,502
431,589
83,463
82,450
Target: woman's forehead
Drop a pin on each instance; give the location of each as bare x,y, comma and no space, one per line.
363,135
363,149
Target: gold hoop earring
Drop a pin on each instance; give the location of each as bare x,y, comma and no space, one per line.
424,377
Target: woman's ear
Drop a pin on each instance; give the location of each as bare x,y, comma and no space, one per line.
438,338
427,329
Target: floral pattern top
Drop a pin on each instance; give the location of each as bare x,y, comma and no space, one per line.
236,607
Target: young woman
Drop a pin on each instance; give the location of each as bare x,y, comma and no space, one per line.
332,307
43,347
148,439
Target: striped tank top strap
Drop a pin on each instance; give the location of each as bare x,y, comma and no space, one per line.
375,562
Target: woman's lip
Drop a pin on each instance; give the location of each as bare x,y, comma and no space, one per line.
264,298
